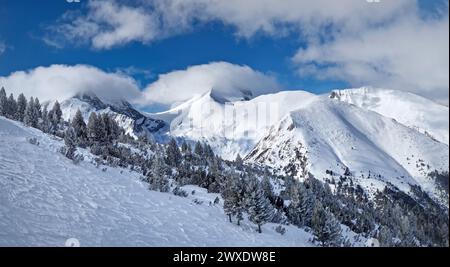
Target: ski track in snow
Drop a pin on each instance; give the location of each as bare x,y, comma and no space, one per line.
45,199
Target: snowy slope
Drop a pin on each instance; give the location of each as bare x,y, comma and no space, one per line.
332,135
409,109
46,199
231,127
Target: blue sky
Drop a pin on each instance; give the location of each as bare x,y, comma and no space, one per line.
25,23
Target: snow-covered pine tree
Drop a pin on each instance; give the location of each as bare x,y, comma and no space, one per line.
301,207
258,206
45,123
111,129
57,113
325,226
3,102
80,129
173,154
92,128
31,118
239,162
233,195
184,147
157,176
115,130
101,130
198,149
54,116
12,107
21,106
70,141
386,237
37,108
267,188
208,152
186,151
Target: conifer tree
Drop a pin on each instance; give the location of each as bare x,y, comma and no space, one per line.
258,206
31,118
267,188
92,126
70,141
3,102
198,149
239,162
80,128
21,106
233,197
12,107
326,228
55,116
37,108
173,154
157,177
45,124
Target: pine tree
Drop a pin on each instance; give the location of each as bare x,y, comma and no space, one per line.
157,176
259,208
31,118
267,188
21,106
184,147
55,116
70,140
37,108
301,207
101,130
92,126
173,154
233,197
57,113
80,128
385,237
326,228
12,107
198,149
3,102
239,162
208,152
45,124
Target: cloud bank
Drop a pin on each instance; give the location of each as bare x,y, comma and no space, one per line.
410,54
108,23
62,82
224,78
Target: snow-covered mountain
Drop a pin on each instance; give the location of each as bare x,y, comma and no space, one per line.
231,128
394,136
327,135
385,135
134,122
409,109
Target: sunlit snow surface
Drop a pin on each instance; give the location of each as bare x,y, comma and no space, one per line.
45,199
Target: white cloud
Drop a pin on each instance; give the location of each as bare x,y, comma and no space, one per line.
410,54
107,23
62,82
224,78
